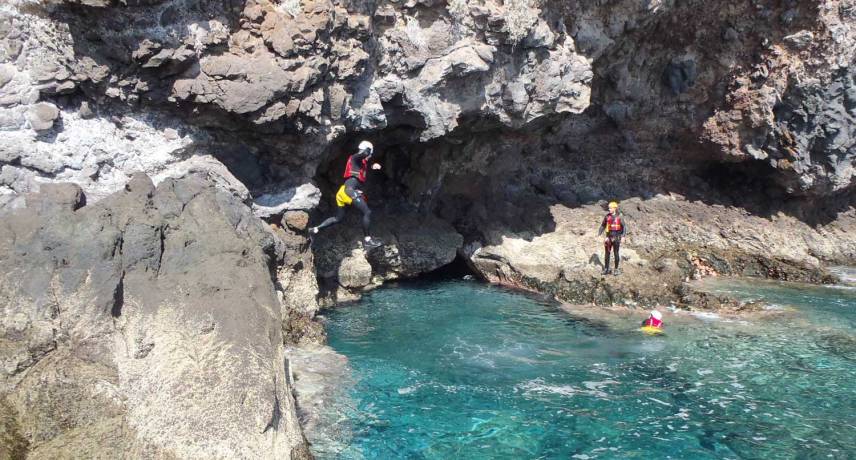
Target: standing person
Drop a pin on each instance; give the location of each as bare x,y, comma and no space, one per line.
351,192
615,227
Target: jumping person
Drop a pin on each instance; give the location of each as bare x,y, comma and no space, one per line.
615,227
351,192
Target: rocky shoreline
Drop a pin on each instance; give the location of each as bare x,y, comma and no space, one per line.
128,286
659,255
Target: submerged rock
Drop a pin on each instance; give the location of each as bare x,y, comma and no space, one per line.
322,381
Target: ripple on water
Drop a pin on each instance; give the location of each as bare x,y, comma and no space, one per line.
463,370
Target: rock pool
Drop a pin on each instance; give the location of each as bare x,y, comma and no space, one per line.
459,369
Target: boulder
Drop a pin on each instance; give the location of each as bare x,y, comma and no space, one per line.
42,116
458,63
354,270
412,245
54,198
208,168
126,321
85,111
295,220
799,40
302,197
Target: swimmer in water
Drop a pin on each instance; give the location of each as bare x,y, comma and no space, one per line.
655,320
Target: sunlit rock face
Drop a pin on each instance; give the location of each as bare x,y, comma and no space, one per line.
146,324
92,91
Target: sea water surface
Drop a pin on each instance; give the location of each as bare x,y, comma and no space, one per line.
462,370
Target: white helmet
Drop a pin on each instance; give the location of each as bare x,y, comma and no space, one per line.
366,145
657,315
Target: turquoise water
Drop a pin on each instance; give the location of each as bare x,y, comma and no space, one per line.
461,370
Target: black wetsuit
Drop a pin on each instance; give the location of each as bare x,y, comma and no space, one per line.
613,240
353,188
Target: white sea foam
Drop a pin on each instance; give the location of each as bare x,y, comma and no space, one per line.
706,315
592,388
538,386
659,401
842,287
847,275
596,388
408,390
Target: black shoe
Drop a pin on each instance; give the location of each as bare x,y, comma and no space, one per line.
605,271
616,272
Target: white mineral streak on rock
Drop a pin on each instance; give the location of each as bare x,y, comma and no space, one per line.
95,153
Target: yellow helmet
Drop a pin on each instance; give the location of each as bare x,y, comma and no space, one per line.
613,205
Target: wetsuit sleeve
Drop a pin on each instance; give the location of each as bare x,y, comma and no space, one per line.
602,226
623,226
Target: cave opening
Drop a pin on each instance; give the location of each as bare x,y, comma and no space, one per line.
457,269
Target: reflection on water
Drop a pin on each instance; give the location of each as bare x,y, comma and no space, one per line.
464,370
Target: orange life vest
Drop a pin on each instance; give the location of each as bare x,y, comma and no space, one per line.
613,223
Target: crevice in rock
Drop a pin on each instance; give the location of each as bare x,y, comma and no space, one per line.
118,297
162,242
276,414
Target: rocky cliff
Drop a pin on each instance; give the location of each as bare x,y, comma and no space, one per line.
725,128
145,325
